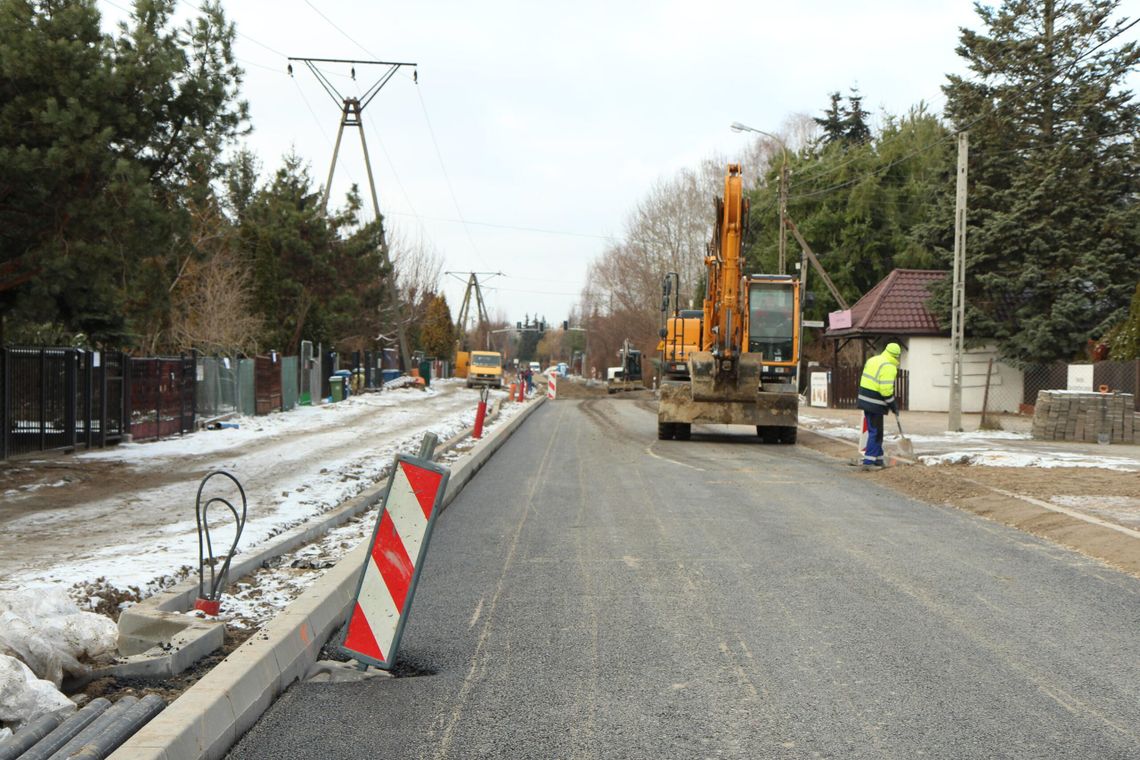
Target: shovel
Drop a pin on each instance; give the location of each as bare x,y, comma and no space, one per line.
906,448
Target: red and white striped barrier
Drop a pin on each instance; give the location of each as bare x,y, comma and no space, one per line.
399,545
552,387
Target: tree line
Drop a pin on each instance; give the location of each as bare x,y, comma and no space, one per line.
1053,238
131,215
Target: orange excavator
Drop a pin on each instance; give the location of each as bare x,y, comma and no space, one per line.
733,362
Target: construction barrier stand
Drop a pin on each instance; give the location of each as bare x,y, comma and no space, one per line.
392,568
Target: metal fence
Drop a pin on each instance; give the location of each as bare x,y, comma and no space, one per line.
267,384
1119,376
290,377
59,398
161,396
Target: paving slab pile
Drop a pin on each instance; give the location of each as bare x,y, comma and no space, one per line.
1091,417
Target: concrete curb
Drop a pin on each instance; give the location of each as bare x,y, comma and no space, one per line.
211,715
158,615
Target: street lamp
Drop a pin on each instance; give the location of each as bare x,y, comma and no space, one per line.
736,126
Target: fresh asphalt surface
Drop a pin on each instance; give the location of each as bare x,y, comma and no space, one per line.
596,593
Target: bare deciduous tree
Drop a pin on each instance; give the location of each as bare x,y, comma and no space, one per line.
213,307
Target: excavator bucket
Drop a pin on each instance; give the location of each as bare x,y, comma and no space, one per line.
738,381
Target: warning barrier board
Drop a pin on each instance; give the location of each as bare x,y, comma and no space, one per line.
552,387
396,554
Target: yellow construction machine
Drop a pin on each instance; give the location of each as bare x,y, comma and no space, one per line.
733,362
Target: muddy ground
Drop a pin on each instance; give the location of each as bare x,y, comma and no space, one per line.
1092,491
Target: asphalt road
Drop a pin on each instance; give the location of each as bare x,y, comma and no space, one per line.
596,593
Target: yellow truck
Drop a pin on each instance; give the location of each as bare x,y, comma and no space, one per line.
485,368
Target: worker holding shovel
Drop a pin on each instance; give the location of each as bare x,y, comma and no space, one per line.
876,398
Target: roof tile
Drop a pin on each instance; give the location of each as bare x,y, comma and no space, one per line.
896,306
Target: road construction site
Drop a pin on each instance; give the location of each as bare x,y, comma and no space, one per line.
715,596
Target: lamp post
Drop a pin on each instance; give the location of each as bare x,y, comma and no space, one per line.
736,126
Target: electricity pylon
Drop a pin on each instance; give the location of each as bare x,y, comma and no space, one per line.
352,115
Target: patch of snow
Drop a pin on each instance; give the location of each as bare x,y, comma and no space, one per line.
980,457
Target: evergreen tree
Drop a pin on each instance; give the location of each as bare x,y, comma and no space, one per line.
833,121
1054,226
437,338
855,129
317,276
100,139
858,206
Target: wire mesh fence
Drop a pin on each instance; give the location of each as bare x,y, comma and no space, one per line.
1021,397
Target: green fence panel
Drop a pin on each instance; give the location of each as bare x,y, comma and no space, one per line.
247,401
289,389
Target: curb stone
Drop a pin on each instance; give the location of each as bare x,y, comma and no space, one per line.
209,717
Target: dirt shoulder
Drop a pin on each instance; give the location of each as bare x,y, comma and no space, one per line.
1004,494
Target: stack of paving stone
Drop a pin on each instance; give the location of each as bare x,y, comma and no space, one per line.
1078,416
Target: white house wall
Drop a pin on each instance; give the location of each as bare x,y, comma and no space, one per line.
928,361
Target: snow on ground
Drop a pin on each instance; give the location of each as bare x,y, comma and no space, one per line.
294,466
985,448
1050,459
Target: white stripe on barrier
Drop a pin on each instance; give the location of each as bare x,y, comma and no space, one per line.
407,515
376,603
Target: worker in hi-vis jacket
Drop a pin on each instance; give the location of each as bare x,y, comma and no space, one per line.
876,398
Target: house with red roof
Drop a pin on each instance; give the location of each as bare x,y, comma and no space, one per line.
896,310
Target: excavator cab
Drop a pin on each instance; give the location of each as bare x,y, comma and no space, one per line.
774,327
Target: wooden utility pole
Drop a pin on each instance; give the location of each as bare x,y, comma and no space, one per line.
958,312
784,214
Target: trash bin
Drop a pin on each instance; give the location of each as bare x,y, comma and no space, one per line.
336,383
425,373
346,378
389,374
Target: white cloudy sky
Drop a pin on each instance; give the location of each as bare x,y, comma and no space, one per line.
558,116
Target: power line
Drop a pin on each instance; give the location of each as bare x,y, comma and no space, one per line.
344,33
516,228
446,176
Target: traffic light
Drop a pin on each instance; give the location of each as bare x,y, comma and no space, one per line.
565,325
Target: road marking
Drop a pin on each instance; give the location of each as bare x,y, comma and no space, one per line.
475,617
649,451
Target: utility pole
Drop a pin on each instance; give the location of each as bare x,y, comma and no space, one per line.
958,311
352,115
784,214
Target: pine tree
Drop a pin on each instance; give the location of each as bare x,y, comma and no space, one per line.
1054,226
102,140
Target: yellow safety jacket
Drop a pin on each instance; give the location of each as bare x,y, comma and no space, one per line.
877,386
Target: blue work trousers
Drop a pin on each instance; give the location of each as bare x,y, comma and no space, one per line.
874,452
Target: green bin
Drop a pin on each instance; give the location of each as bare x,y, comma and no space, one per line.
425,373
336,383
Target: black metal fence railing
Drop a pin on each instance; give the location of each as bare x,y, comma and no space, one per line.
59,398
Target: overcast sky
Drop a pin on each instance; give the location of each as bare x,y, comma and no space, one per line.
552,119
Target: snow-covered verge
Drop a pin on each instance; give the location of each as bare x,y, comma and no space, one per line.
43,633
294,466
